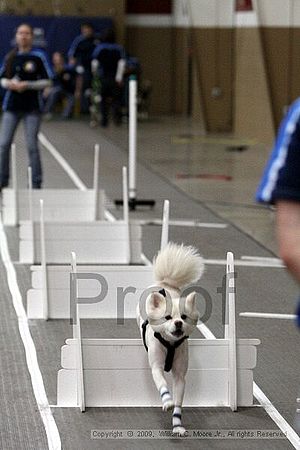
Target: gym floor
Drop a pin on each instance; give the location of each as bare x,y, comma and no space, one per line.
206,179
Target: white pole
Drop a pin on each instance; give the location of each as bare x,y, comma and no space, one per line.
43,261
29,172
31,218
261,258
73,263
101,204
165,225
77,337
96,182
132,136
15,184
230,300
126,211
268,315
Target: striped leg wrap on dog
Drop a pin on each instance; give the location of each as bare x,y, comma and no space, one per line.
176,419
165,394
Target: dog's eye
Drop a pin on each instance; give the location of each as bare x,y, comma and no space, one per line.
168,317
183,316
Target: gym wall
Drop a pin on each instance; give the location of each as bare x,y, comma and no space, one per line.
208,27
245,64
185,54
239,70
104,8
149,36
280,34
268,50
259,45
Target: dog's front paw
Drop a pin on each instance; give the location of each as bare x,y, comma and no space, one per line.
179,430
168,404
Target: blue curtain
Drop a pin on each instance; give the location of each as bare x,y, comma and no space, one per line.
51,33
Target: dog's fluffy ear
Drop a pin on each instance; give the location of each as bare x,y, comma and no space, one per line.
190,303
155,305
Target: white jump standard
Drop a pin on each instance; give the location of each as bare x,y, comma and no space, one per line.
132,144
59,204
115,372
58,291
51,284
95,242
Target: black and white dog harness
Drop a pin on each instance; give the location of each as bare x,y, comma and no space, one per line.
170,347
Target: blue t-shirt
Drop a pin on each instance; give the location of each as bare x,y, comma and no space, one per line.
29,66
281,178
82,49
108,56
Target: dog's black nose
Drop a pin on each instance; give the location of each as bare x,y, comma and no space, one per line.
178,324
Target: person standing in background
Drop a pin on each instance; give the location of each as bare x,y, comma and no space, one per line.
24,74
80,56
109,60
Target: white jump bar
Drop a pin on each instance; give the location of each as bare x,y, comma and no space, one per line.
183,223
268,315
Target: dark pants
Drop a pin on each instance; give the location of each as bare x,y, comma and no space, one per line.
85,97
10,121
57,93
111,95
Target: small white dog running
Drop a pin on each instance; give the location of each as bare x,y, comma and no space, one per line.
171,319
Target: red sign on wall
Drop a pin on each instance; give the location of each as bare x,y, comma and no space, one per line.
243,5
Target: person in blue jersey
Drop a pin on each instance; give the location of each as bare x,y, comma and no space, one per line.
64,82
280,185
109,61
80,55
24,74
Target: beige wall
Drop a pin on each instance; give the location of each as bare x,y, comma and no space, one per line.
163,53
276,69
282,57
154,48
252,100
180,48
214,60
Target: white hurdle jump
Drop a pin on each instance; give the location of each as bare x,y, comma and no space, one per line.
98,242
115,372
59,204
49,297
58,291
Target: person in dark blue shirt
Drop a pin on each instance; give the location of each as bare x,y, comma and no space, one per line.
109,61
280,185
80,55
64,82
24,74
